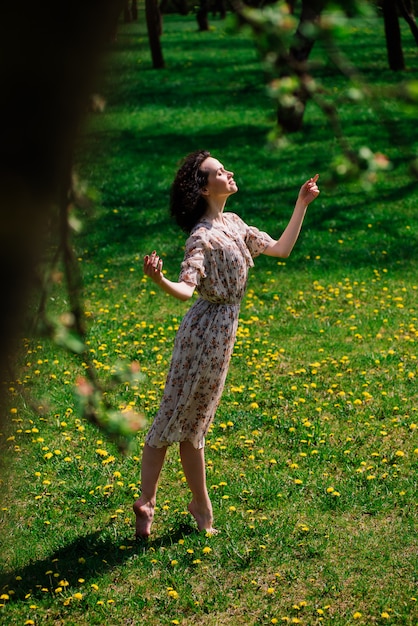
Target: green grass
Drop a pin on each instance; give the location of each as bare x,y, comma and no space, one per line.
312,459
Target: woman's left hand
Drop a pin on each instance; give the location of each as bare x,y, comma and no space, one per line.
309,190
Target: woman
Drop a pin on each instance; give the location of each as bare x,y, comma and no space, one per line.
219,251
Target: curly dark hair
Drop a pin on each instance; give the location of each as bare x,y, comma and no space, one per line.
187,205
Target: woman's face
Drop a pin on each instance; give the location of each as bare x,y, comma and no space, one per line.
221,182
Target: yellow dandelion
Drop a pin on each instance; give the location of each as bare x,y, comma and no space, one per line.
385,615
357,615
206,550
78,596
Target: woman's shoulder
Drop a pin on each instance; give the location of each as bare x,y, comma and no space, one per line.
236,220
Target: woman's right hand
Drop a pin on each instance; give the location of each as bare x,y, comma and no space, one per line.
153,267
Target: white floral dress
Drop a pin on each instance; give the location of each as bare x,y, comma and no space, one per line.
216,260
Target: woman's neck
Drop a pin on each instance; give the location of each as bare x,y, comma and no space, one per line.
215,211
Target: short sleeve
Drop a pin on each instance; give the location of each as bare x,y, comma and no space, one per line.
256,240
193,265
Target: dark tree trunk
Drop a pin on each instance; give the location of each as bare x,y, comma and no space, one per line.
134,10
406,7
290,118
219,6
393,35
303,43
154,26
49,56
202,15
130,11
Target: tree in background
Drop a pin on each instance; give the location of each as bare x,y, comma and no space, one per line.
392,10
285,43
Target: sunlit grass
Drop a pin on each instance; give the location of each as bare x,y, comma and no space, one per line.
312,458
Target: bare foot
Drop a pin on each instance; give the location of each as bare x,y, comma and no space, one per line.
204,519
144,516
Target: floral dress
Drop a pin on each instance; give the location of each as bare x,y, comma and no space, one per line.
216,260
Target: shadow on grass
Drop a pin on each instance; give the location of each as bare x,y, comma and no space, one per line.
86,558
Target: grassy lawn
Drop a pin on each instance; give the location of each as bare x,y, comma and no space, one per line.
312,459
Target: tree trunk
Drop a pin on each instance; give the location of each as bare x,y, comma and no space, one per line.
290,118
49,56
134,10
154,26
406,7
202,15
393,35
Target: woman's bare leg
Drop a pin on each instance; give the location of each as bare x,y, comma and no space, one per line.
152,463
193,462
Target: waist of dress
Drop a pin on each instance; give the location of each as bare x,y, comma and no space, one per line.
228,303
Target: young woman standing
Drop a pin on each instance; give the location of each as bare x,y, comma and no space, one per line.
219,252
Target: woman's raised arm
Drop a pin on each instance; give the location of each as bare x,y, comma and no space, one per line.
284,246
